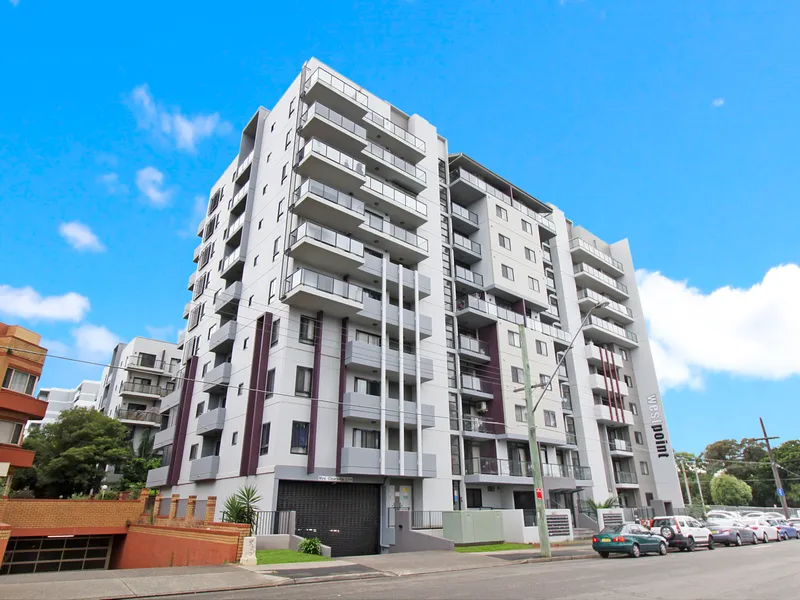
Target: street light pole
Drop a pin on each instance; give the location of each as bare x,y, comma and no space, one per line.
533,444
775,474
699,487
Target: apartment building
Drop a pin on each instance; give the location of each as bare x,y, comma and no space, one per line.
140,374
21,361
353,340
86,395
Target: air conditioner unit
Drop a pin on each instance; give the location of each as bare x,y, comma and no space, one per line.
482,407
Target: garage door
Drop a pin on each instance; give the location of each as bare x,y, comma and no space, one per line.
344,516
44,555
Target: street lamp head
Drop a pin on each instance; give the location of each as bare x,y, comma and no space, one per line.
602,304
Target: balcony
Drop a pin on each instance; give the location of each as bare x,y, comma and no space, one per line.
228,299
325,124
319,202
465,187
398,140
217,379
130,388
196,253
365,407
211,421
588,277
187,308
465,250
325,248
313,291
571,439
371,313
404,246
479,427
233,233
393,168
502,471
475,388
240,200
400,206
201,227
366,461
192,277
221,341
589,298
464,221
566,405
626,479
171,400
367,357
596,356
331,90
205,468
618,447
474,313
611,416
157,477
233,265
182,337
598,384
165,437
605,332
147,363
585,252
473,350
319,160
21,404
148,418
372,271
244,167
468,282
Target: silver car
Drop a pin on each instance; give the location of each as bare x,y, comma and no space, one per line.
731,533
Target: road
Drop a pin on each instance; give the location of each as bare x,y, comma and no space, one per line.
752,572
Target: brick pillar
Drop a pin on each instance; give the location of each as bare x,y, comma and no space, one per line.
173,506
211,508
190,507
5,533
157,506
3,506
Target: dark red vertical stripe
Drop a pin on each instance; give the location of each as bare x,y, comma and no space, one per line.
312,422
261,388
342,390
184,408
616,380
611,406
492,373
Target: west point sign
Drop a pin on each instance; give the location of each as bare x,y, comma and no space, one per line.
657,426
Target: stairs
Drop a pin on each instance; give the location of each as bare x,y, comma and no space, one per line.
583,534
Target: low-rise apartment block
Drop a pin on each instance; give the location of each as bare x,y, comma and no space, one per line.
86,395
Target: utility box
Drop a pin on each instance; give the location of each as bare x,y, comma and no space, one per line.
473,526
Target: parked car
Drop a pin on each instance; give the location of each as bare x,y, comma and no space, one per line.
763,530
722,514
683,532
631,539
794,522
731,532
786,530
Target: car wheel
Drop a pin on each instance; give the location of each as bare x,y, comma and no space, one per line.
690,545
755,539
662,549
738,540
778,537
711,544
636,552
764,538
603,554
667,532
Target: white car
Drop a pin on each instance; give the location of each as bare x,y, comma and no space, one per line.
722,515
763,530
683,532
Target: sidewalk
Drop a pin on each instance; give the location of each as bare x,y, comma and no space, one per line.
138,583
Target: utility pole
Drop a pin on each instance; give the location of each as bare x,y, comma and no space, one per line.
533,448
775,474
686,481
699,487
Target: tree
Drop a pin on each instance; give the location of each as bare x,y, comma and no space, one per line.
134,471
730,491
241,507
72,453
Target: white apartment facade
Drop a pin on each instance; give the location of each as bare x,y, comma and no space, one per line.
85,395
346,349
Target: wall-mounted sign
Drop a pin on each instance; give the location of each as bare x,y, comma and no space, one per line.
657,426
335,478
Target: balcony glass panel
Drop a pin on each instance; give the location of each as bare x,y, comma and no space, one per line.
324,283
459,210
396,195
465,242
386,124
592,295
337,84
582,267
375,222
467,275
348,162
403,165
327,236
473,345
598,322
584,245
331,194
326,113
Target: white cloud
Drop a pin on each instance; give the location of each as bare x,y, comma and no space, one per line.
748,332
717,102
14,2
27,303
160,333
184,131
150,182
55,347
80,237
94,342
112,183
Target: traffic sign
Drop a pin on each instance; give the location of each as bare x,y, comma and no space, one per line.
539,494
781,492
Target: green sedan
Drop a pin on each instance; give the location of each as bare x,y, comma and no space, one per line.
630,539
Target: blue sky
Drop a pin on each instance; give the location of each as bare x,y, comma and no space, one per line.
670,123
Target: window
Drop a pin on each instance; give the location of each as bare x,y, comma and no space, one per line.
634,408
255,261
270,154
302,381
200,408
234,438
260,223
264,189
508,272
210,331
369,387
276,247
240,389
286,145
280,210
272,128
284,174
541,348
513,338
364,438
501,212
530,255
291,107
533,283
521,413
624,354
19,381
299,437
544,380
205,368
628,380
271,291
244,344
274,332
10,432
308,329
517,375
637,435
526,227
504,241
250,301
368,338
264,439
550,419
193,452
645,468
270,389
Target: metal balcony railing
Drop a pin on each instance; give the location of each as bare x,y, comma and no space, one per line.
146,361
143,388
478,424
396,196
324,283
597,273
396,130
375,222
625,477
463,213
475,384
394,160
584,245
336,83
331,194
603,324
326,236
471,276
146,416
616,306
332,116
465,242
331,153
473,345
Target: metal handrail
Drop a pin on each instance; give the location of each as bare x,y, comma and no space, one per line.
395,129
336,83
331,194
395,195
609,260
393,159
324,283
144,388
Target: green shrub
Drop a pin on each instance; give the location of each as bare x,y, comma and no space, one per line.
310,546
241,507
23,494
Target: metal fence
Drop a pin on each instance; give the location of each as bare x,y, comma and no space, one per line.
268,522
420,519
200,509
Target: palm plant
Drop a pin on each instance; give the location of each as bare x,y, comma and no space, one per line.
610,502
242,507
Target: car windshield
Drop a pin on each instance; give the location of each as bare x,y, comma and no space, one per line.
613,529
711,524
